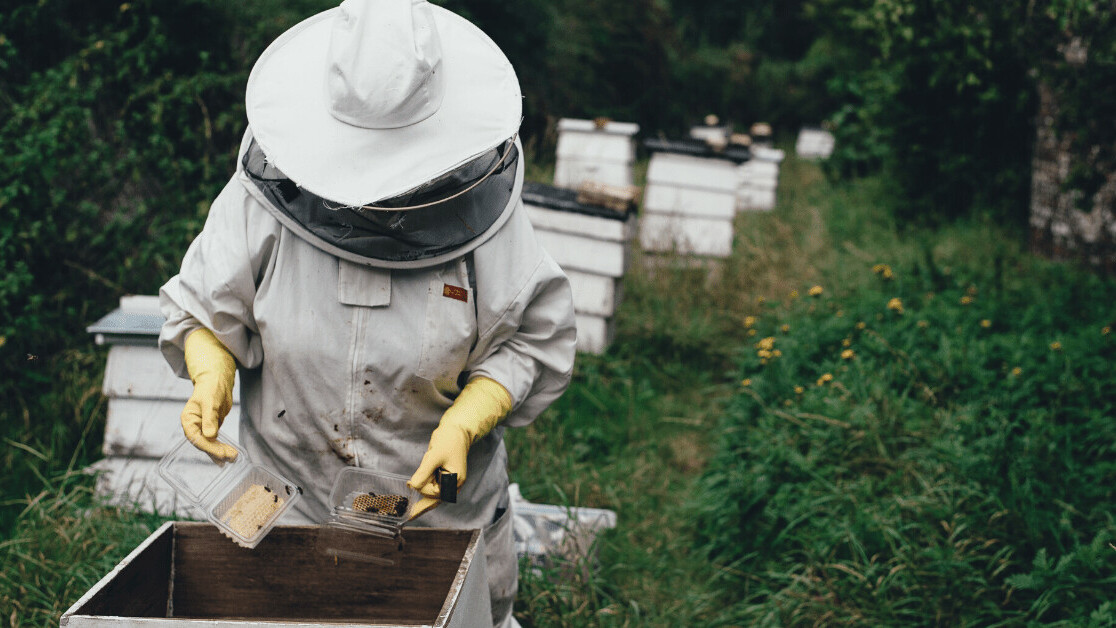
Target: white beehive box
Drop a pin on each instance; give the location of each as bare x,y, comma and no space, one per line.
690,199
187,574
145,400
758,182
590,152
814,143
593,246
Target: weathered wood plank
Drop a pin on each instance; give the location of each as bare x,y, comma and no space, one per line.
150,428
594,333
675,170
143,373
571,173
662,233
598,228
588,255
135,483
594,294
671,199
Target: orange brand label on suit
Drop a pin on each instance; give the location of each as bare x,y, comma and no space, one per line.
454,292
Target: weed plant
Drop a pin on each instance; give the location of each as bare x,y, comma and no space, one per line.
932,447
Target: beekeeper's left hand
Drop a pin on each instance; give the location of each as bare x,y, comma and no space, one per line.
481,405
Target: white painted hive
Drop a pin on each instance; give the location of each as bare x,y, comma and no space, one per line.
601,154
593,247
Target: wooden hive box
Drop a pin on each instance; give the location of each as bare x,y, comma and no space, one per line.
590,152
592,245
814,143
690,200
145,399
187,574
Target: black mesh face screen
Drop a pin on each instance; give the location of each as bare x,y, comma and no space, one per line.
457,207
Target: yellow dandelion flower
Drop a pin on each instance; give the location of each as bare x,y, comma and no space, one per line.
99,45
798,390
861,325
767,343
966,300
1104,332
746,382
749,321
763,362
3,341
788,403
923,324
886,273
847,354
825,379
794,294
751,332
847,342
816,291
763,353
124,7
1055,346
776,353
840,314
1016,372
895,304
878,268
986,323
761,300
785,328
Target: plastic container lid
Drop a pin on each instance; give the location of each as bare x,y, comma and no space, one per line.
244,500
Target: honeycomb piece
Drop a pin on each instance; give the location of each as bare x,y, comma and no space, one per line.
390,505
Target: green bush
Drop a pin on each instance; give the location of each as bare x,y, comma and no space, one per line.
936,448
943,96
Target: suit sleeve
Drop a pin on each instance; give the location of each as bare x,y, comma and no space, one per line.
216,285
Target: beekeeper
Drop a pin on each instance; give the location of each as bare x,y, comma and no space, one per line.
372,274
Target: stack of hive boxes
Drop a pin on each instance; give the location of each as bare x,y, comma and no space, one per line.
690,199
814,143
599,150
592,245
758,180
145,399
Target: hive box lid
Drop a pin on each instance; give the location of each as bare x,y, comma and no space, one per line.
697,148
187,574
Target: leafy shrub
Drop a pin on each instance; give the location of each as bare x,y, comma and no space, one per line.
934,449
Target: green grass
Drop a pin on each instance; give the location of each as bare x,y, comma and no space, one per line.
925,485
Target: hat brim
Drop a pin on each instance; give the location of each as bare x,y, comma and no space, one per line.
288,111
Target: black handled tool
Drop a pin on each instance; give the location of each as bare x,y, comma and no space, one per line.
447,485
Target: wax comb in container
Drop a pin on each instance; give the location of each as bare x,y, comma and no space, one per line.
244,500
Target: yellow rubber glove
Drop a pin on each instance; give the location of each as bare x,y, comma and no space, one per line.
213,371
481,405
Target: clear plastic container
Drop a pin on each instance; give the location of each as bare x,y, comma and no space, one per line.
366,502
244,500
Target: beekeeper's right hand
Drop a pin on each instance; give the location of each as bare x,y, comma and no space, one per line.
213,371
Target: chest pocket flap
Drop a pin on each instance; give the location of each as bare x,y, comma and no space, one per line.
363,285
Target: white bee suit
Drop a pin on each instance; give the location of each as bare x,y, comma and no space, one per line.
343,363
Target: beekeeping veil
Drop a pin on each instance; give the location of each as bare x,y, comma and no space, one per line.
383,131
